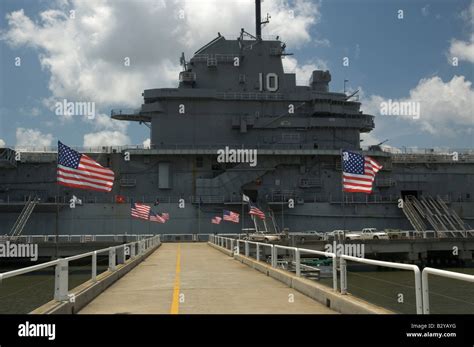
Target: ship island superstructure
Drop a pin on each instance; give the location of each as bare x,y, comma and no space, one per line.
235,94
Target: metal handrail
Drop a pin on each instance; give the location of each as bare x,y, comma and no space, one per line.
343,266
61,289
442,273
410,267
223,242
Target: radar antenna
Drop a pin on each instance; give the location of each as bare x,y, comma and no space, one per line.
258,19
182,62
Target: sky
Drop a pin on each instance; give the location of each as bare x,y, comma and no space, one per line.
106,53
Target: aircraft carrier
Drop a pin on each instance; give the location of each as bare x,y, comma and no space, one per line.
233,95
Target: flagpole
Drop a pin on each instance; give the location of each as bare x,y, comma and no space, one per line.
343,196
199,215
282,214
57,220
242,202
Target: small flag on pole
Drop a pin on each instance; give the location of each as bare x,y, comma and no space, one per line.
358,172
216,220
140,211
77,170
156,218
231,216
255,211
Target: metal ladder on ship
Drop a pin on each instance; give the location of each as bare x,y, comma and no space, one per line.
24,216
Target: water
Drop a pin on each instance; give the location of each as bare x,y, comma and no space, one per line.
395,290
23,294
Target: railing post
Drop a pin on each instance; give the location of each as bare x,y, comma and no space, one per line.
298,262
61,280
112,258
426,295
232,245
274,252
343,268
133,248
258,251
246,248
419,294
334,272
94,266
121,255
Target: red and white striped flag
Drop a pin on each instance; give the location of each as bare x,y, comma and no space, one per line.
77,170
255,211
358,172
140,211
216,220
231,216
156,218
165,216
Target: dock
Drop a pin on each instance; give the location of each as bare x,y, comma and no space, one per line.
194,278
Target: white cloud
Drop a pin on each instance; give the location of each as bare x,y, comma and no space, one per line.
106,138
303,72
32,138
86,55
2,143
146,143
464,50
104,122
110,132
425,11
446,108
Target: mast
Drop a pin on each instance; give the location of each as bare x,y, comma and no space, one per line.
258,19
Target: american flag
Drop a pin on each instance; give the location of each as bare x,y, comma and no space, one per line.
358,173
165,216
79,171
255,211
156,218
216,220
140,211
231,216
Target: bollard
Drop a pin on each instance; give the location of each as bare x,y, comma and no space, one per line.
61,281
232,245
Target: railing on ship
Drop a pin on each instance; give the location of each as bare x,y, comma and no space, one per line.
404,152
271,197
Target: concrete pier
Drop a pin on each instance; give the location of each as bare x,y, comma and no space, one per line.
194,278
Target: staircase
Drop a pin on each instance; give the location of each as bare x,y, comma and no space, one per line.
435,214
233,179
24,216
412,214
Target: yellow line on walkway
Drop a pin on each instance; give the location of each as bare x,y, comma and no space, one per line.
175,302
